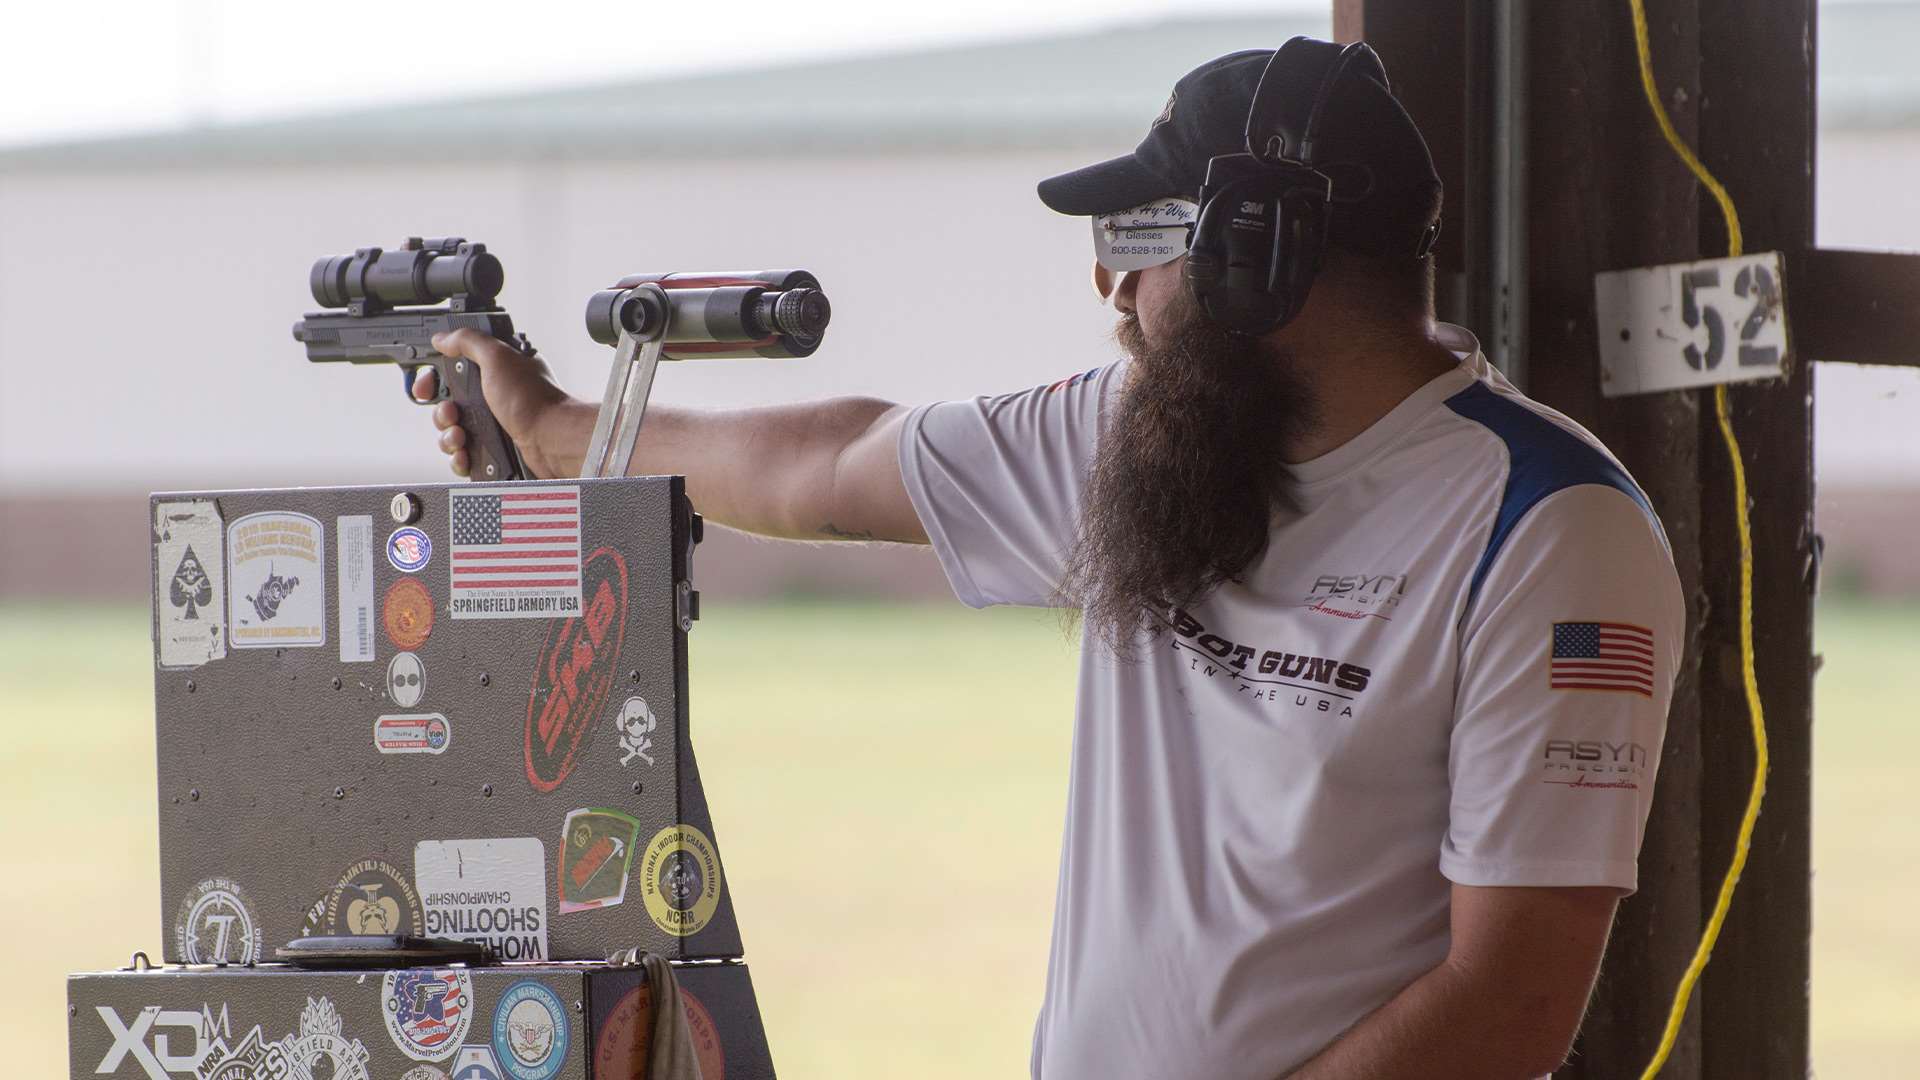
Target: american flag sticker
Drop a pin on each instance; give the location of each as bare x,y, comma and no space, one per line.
515,552
1602,656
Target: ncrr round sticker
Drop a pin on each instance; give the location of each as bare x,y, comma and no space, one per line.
409,549
680,878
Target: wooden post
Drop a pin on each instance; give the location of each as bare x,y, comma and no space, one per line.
1756,135
1605,192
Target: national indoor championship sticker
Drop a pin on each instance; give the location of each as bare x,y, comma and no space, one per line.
680,878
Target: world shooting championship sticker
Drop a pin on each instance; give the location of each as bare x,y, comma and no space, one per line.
373,897
409,549
530,1031
680,878
428,1011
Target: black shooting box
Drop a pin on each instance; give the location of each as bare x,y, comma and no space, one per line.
453,711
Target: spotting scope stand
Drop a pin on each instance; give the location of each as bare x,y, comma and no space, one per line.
629,384
648,318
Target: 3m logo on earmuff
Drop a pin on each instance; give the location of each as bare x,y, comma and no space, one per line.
1250,269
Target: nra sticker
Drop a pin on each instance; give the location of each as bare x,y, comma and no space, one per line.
428,1010
373,898
407,613
320,1040
412,733
574,672
277,581
216,925
477,1063
409,549
680,879
622,1047
254,1057
406,680
490,891
530,1031
596,851
188,592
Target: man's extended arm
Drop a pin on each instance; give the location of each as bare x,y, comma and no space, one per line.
1504,1005
826,470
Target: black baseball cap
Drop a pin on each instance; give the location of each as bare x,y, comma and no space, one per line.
1386,193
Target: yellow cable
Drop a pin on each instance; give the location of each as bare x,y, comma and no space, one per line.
1684,992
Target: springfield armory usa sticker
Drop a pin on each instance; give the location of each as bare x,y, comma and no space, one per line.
320,1048
491,891
276,563
354,541
188,590
514,553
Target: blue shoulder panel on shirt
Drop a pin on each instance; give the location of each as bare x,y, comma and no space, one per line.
1543,458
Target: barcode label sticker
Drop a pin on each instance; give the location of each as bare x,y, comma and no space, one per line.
355,544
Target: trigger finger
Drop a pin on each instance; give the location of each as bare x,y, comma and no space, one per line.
424,383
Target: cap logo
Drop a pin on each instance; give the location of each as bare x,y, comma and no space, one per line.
1166,111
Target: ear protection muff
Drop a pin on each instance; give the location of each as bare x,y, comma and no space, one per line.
1260,234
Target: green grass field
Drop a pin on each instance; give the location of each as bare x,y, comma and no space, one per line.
888,783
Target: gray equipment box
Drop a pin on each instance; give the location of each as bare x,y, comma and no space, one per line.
525,1022
454,710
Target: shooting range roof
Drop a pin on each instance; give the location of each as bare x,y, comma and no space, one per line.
1094,88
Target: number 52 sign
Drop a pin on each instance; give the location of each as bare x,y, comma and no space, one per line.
1691,324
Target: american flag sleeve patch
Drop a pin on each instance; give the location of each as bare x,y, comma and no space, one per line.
1602,656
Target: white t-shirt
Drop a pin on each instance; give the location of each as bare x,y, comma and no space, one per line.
1452,665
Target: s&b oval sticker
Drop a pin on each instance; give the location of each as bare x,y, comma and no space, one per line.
576,670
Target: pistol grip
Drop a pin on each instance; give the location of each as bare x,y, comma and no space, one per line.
491,455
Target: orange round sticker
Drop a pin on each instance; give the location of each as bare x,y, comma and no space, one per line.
407,613
624,1038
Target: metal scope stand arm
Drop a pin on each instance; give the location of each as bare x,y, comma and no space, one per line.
642,313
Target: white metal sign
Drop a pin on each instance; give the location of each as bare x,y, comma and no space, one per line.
1691,324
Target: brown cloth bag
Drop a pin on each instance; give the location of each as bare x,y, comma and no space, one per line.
670,1054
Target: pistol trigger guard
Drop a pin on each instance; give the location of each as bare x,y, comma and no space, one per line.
411,372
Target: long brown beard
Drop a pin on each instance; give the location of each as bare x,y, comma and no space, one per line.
1187,475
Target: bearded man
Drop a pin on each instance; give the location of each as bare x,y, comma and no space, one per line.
1377,651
